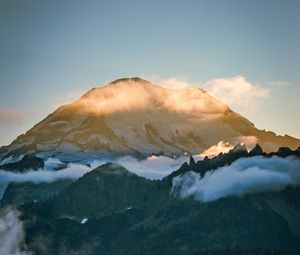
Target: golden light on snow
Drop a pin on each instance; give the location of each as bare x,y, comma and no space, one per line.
144,95
216,149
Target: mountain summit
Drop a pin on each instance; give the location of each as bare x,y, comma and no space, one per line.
132,116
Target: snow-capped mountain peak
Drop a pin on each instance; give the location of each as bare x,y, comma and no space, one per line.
132,116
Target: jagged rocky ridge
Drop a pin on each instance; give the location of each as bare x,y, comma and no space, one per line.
239,151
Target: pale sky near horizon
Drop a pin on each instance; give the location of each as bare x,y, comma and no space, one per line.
247,53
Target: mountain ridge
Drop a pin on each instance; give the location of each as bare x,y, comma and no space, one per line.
132,116
122,213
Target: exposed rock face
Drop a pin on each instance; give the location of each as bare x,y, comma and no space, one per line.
257,150
28,162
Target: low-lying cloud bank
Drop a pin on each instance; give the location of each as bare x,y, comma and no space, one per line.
73,171
11,233
154,167
244,176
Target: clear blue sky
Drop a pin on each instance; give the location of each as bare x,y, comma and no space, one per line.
52,49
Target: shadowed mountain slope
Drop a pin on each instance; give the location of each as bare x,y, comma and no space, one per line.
113,211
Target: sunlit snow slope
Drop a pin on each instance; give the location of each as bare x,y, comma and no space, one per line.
132,116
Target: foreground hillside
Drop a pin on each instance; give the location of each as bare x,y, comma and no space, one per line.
113,211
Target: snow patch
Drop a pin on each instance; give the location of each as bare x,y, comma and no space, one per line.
84,220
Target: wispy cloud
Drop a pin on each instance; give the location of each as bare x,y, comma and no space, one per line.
174,83
72,171
10,116
11,233
237,92
153,167
128,95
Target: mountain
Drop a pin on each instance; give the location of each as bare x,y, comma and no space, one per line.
109,188
28,162
132,116
113,211
252,206
25,192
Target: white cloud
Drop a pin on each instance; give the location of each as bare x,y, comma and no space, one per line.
72,171
174,83
250,141
11,233
237,92
244,176
153,167
129,95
